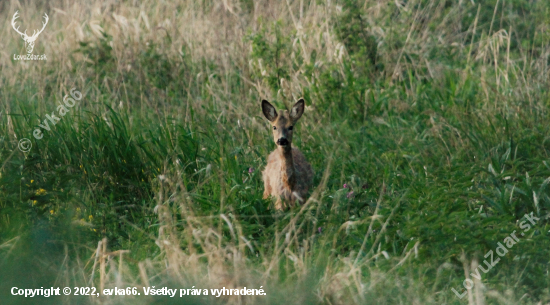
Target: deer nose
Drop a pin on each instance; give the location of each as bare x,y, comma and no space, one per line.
282,141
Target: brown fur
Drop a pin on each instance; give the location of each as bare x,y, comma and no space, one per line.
287,176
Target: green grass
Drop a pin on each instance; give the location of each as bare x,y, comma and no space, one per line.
441,134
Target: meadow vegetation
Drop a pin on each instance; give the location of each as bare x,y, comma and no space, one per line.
426,124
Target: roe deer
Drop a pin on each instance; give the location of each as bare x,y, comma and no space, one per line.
288,175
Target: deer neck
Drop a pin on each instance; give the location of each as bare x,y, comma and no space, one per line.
289,178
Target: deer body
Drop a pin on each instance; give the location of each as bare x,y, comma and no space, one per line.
287,176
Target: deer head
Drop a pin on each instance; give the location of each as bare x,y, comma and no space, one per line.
283,123
29,40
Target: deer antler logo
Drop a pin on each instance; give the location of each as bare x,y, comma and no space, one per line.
29,40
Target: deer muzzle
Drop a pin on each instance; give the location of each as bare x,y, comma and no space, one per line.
282,142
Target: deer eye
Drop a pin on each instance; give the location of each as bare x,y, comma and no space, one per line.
274,127
290,128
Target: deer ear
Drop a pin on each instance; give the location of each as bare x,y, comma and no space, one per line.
269,111
297,110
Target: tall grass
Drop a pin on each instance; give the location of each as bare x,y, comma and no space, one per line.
426,125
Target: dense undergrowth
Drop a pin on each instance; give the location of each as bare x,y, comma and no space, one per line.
426,125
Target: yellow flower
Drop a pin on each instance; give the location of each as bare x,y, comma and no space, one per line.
235,157
51,212
78,209
32,181
91,217
34,202
41,192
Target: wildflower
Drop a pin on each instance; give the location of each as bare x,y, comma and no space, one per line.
319,230
235,157
34,202
250,170
345,186
90,217
40,192
78,209
51,212
32,181
350,195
